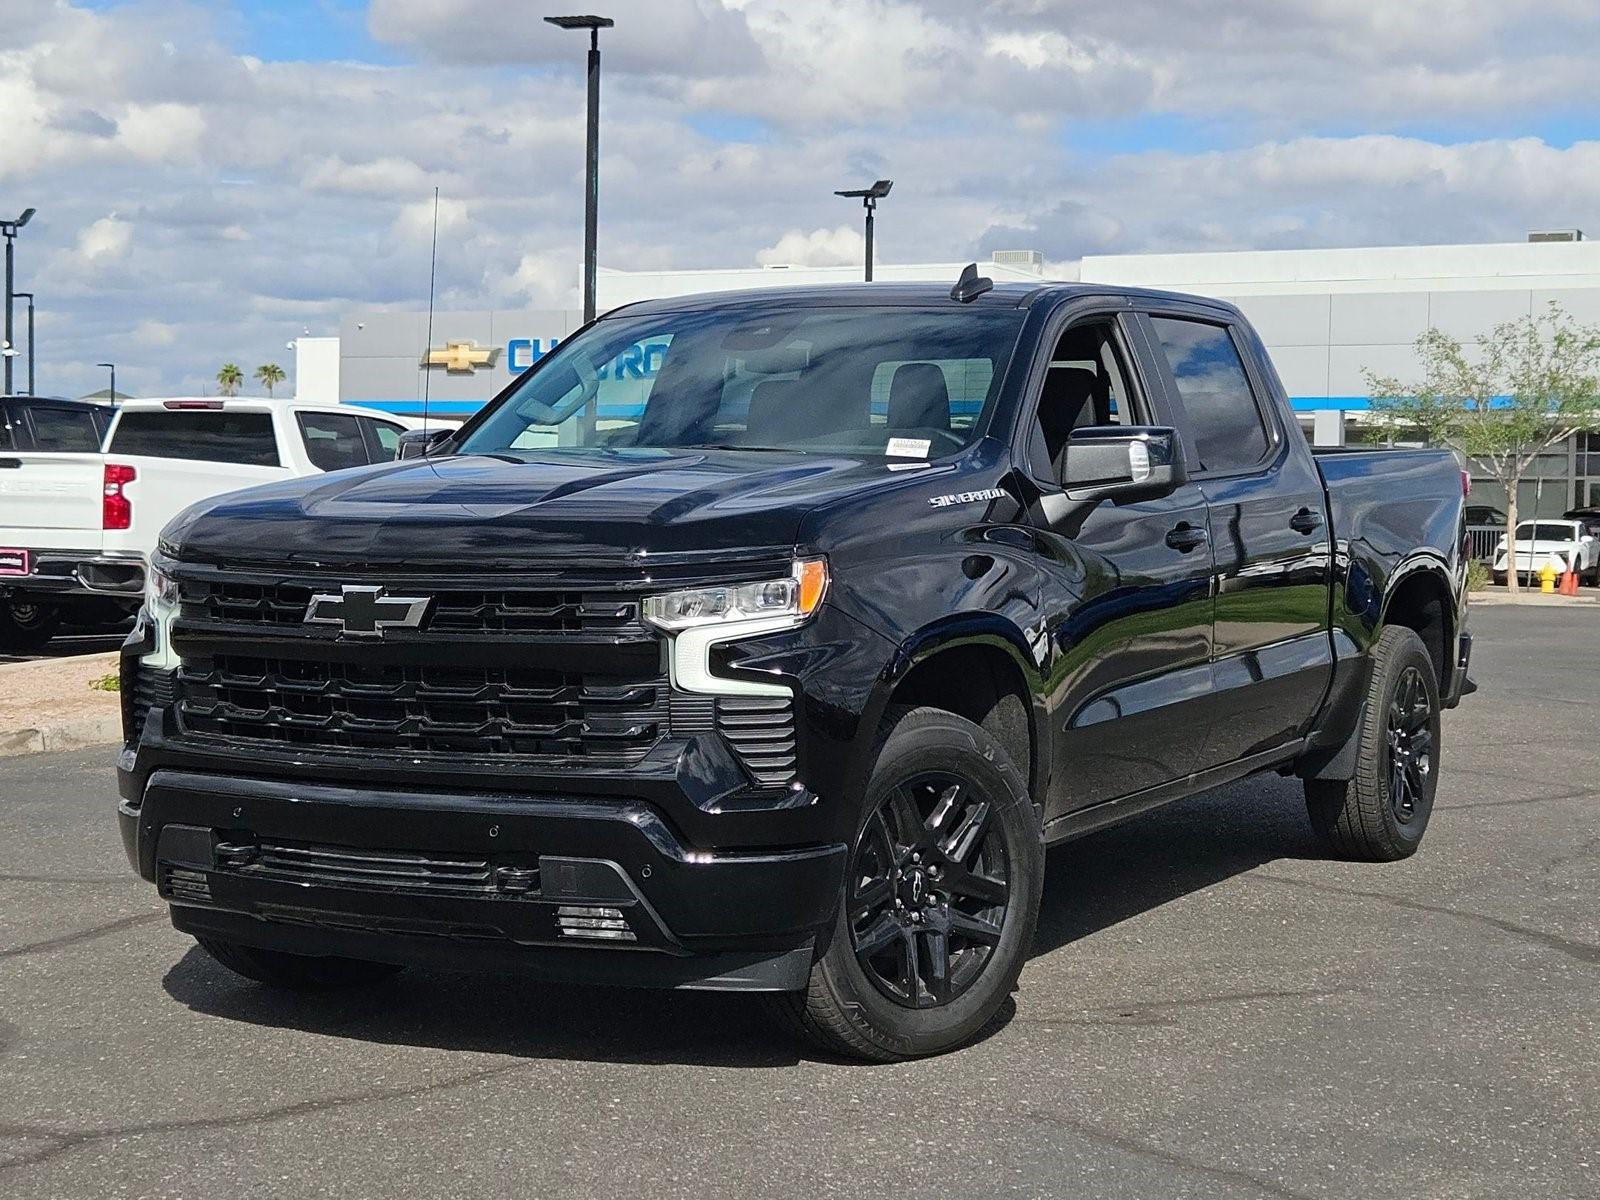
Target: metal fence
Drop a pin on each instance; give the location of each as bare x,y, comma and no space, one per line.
1484,538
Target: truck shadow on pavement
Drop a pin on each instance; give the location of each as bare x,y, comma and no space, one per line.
1090,886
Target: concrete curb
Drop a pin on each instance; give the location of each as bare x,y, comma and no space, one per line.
64,735
1535,600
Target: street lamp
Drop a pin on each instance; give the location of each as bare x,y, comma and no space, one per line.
9,230
113,368
29,295
869,198
591,202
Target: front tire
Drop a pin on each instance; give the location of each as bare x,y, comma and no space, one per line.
940,898
27,625
1381,814
295,972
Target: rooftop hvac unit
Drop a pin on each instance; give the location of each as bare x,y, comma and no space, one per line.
1027,260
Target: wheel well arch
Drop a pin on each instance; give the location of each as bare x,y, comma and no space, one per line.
1420,600
979,679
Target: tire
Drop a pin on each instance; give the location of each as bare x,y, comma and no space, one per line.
1499,579
948,854
27,625
1382,813
295,972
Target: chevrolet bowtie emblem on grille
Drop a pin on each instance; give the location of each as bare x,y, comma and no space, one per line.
460,358
365,612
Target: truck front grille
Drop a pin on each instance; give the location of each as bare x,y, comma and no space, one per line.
405,709
384,870
282,606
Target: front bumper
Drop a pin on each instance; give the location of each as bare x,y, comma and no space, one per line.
575,889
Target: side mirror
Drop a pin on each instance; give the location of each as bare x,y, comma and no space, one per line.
417,443
1122,462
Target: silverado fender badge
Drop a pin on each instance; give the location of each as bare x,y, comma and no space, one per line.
365,612
967,497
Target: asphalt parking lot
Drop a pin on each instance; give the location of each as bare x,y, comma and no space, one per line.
1213,1009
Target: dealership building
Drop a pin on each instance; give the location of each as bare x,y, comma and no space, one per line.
1328,317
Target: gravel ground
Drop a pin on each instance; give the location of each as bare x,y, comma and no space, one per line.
1213,1009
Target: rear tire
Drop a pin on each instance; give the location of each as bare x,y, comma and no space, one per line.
940,898
295,972
1381,814
27,625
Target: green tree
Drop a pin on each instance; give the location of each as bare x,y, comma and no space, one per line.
229,378
270,374
1526,385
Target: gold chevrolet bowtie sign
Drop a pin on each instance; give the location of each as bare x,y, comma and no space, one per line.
462,357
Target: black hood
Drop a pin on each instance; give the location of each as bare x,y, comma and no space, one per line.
479,512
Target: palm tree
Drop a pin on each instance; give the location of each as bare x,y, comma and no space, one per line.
270,374
229,379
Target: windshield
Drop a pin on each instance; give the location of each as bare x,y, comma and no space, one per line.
901,382
1544,531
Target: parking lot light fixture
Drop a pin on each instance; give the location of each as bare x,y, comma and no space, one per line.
869,198
8,229
113,368
591,201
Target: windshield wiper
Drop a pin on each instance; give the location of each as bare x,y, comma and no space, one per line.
741,446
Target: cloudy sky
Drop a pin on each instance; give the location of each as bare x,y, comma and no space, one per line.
215,178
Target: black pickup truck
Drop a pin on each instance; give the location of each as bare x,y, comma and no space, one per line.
764,641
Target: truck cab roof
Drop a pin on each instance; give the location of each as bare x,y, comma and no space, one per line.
906,295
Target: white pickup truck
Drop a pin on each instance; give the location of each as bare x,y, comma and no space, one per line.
76,529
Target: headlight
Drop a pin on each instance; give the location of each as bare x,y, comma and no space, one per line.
160,590
796,597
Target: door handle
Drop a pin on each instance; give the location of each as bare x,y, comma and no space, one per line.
11,464
1186,537
1306,521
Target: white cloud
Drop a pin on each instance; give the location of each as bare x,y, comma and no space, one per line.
254,198
161,132
415,222
820,248
104,240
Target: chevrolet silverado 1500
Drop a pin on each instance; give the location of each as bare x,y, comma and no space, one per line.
764,641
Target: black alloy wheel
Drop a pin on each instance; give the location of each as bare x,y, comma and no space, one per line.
931,890
1380,813
938,900
1411,745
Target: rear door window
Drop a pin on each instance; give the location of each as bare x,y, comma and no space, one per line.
333,441
63,429
243,438
1225,422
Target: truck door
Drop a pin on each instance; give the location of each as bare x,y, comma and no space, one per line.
1272,659
1126,592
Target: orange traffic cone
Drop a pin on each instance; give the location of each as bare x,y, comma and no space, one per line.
1569,583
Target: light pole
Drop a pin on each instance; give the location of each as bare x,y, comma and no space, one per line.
113,369
9,229
591,200
29,295
869,198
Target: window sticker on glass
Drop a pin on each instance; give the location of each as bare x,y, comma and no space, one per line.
901,447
